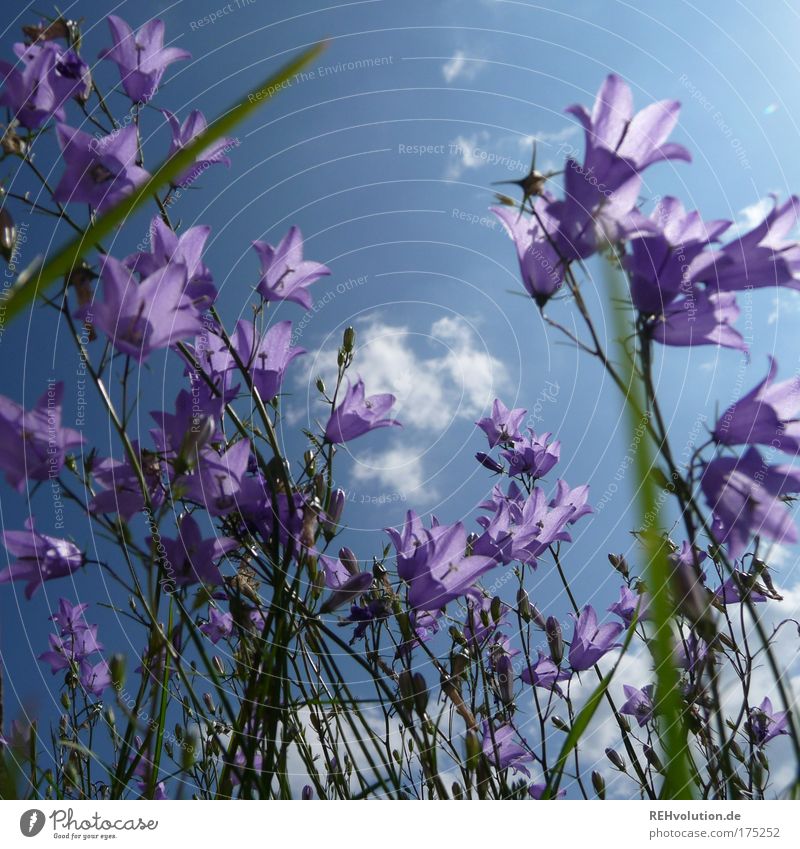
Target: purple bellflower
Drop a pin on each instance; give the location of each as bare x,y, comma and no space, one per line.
767,415
503,424
193,559
764,723
183,134
33,445
357,414
745,497
591,641
140,56
168,247
219,625
140,318
40,558
99,172
285,275
639,703
541,267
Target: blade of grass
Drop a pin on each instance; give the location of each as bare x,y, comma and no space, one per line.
677,777
38,277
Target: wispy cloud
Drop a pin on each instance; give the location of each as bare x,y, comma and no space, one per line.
461,66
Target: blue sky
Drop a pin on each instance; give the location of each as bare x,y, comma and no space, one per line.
384,154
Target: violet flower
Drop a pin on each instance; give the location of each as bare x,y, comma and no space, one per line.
218,482
285,275
501,749
99,172
639,703
191,558
545,674
764,723
745,497
640,139
219,625
183,134
140,56
435,566
532,455
503,424
140,318
186,249
591,641
541,267
40,558
33,444
629,604
357,414
699,318
266,357
767,415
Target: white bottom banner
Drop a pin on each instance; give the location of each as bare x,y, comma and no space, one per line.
339,824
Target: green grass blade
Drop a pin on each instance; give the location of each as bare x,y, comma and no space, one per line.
39,276
677,778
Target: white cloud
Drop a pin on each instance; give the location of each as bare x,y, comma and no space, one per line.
468,154
749,217
460,66
438,374
397,470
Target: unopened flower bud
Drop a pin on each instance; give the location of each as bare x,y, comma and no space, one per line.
218,665
349,340
555,640
489,463
331,517
420,692
616,759
505,679
349,560
496,609
209,702
560,724
117,666
652,758
523,605
473,746
320,385
619,562
599,784
307,792
8,234
538,618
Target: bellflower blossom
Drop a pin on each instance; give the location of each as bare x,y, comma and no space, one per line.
184,249
639,703
191,558
285,275
357,414
503,424
591,641
33,444
40,558
140,56
140,318
764,723
767,415
541,267
101,171
435,565
183,134
745,497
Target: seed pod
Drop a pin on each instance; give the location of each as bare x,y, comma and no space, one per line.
616,759
599,784
555,640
